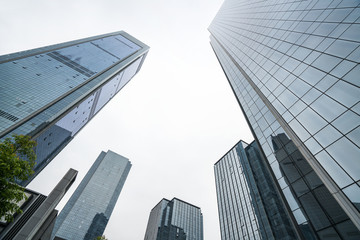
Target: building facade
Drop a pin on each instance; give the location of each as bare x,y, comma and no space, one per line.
50,93
174,220
87,212
39,215
293,66
248,202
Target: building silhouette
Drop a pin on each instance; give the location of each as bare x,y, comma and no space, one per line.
174,220
87,212
248,202
50,93
39,214
293,67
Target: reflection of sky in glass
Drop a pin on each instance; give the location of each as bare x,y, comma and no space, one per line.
353,193
78,117
53,139
96,195
41,79
305,64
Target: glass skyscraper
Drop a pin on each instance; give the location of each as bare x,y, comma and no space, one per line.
87,212
294,68
175,220
248,202
50,93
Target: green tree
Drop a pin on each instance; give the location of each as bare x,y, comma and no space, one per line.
17,159
101,238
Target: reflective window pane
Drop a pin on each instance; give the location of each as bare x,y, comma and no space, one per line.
299,216
352,33
341,48
343,68
351,163
313,145
348,231
326,83
326,62
299,130
290,199
313,180
353,193
312,75
311,120
339,176
354,136
352,76
327,108
331,206
311,95
314,211
300,187
346,122
288,168
327,135
345,93
328,234
299,87
325,28
338,15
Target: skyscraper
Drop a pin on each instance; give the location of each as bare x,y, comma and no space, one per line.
50,93
87,212
174,220
248,202
294,66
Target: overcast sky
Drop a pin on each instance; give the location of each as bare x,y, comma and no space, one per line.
174,119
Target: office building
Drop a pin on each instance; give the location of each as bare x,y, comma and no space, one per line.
38,217
174,220
87,212
50,93
248,202
293,67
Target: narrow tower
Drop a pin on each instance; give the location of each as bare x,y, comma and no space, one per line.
87,212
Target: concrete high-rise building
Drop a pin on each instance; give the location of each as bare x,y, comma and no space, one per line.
174,220
248,202
293,67
50,93
87,212
39,215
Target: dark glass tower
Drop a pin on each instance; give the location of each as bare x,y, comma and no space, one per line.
294,66
87,212
50,93
248,202
175,220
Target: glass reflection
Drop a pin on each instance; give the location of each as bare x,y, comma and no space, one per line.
57,136
304,189
248,196
353,193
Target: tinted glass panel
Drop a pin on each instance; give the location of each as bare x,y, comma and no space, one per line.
353,193
348,231
330,205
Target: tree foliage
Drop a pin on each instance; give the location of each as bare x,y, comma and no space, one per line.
101,238
17,159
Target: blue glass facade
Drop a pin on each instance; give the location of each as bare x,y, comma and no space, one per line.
87,212
50,93
293,67
248,202
174,220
